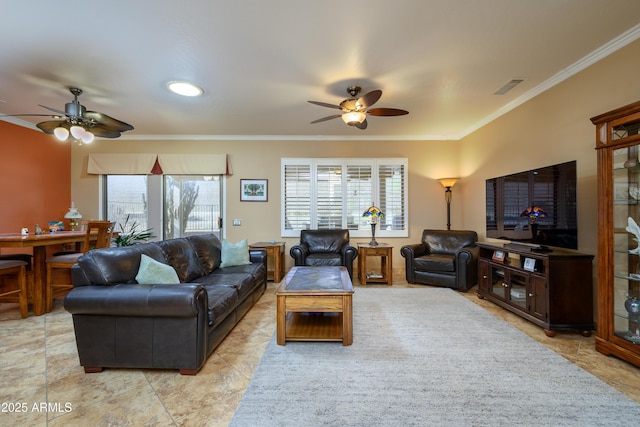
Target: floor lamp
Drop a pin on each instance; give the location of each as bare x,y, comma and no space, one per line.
448,183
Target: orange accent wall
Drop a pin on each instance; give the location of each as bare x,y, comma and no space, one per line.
35,179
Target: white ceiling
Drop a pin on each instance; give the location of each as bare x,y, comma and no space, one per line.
260,61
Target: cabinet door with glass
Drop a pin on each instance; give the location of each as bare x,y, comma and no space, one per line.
617,146
626,244
509,285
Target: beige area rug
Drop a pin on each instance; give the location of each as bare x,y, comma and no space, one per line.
427,357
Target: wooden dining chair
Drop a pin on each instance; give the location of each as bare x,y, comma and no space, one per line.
13,284
98,235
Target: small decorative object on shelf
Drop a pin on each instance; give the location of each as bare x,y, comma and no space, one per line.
632,227
38,230
632,305
375,213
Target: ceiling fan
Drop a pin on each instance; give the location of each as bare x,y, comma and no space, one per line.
81,124
355,110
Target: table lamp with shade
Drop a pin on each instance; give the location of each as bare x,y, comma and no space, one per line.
73,216
374,213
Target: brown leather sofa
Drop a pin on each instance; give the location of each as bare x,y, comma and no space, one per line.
122,324
324,247
446,258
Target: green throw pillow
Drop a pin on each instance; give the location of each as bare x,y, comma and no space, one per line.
152,272
237,254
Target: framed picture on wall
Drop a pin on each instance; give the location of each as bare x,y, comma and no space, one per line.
253,190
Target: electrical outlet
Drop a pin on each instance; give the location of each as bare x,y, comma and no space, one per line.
237,222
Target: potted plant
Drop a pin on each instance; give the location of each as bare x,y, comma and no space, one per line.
130,234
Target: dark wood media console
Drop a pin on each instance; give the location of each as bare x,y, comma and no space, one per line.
552,289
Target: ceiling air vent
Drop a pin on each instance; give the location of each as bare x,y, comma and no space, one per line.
506,88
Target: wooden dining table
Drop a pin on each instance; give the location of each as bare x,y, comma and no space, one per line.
39,244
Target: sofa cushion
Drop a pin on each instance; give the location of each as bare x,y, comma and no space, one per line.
319,241
258,271
448,241
243,283
109,266
436,263
324,259
221,301
208,248
235,254
152,272
181,255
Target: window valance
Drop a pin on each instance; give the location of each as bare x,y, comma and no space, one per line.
149,163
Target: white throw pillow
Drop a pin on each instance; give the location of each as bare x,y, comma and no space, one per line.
152,272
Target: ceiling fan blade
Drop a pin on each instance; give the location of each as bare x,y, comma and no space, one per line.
335,116
107,122
387,112
324,104
104,132
63,113
369,99
49,126
32,115
362,125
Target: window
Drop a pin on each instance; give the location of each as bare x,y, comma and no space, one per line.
192,205
126,197
333,193
171,205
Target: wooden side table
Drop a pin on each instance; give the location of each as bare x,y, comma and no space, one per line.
275,258
384,251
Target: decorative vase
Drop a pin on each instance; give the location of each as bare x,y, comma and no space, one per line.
373,235
632,305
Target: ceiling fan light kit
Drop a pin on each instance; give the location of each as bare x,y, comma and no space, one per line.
61,133
355,110
354,118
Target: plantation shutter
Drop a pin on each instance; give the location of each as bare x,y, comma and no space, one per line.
359,195
297,197
329,196
391,179
328,193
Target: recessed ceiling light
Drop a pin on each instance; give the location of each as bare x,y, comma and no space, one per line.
185,88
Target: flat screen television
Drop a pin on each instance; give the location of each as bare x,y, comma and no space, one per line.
536,207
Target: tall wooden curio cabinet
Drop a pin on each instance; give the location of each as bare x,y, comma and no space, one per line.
617,146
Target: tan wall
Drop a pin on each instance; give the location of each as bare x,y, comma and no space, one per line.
428,160
552,128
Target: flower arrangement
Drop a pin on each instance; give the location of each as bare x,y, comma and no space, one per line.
373,212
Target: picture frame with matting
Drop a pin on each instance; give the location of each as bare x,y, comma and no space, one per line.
529,264
498,256
253,190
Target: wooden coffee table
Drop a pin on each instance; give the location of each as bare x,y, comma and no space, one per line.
314,304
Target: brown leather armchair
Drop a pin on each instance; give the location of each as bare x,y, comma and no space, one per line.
446,258
324,247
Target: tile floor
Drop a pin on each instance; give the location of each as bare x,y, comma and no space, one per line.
42,384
